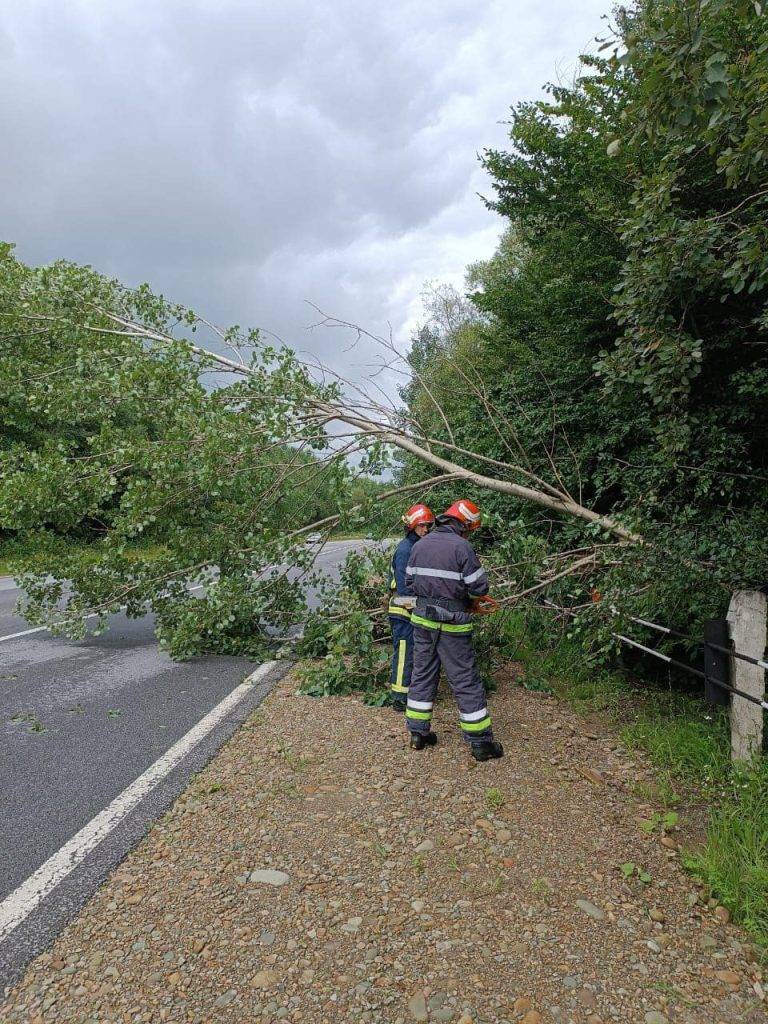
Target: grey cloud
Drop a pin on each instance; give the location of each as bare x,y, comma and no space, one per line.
243,157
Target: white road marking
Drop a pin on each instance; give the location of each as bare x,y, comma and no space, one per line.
45,629
24,632
17,907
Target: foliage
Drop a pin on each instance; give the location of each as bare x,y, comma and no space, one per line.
616,342
366,514
347,636
632,870
105,434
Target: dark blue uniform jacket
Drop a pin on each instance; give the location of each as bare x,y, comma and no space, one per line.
397,583
444,565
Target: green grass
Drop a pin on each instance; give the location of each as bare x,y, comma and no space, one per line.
495,799
734,860
688,744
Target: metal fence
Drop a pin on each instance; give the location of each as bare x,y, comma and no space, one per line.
718,651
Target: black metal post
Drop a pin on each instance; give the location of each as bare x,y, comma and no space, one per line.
717,667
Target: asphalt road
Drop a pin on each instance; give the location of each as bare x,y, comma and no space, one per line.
79,722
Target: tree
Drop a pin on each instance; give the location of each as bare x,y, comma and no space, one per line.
99,426
622,347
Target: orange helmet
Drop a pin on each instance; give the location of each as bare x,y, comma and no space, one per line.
466,512
418,515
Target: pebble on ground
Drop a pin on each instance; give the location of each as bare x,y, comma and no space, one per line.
318,871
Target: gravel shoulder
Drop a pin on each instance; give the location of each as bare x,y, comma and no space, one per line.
319,871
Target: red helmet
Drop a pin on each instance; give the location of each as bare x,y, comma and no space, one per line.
466,512
418,515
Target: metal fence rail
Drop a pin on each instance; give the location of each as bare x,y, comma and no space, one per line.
702,643
711,677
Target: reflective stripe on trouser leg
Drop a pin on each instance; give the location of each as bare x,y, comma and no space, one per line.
424,679
475,722
402,656
457,655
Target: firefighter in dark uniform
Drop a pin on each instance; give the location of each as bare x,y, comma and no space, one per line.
418,520
445,575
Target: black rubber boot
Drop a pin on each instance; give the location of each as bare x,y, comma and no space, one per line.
486,750
397,705
419,740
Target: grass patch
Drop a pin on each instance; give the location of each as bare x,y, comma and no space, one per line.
558,666
690,745
495,799
733,863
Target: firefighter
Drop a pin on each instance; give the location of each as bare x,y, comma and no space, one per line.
445,574
418,520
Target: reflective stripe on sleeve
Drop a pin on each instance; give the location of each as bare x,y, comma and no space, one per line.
474,575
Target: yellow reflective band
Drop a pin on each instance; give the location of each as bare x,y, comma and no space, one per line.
393,584
446,627
395,609
400,662
484,723
396,688
422,716
417,620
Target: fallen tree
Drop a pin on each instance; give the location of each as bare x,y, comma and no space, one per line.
218,483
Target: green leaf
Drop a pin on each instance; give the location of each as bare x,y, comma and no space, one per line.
716,72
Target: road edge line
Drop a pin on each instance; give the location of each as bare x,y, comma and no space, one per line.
17,907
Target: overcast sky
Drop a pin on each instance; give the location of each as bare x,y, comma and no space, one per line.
245,156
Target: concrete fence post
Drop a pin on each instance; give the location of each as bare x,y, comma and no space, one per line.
747,619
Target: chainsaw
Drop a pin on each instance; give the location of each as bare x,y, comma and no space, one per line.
483,605
477,605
